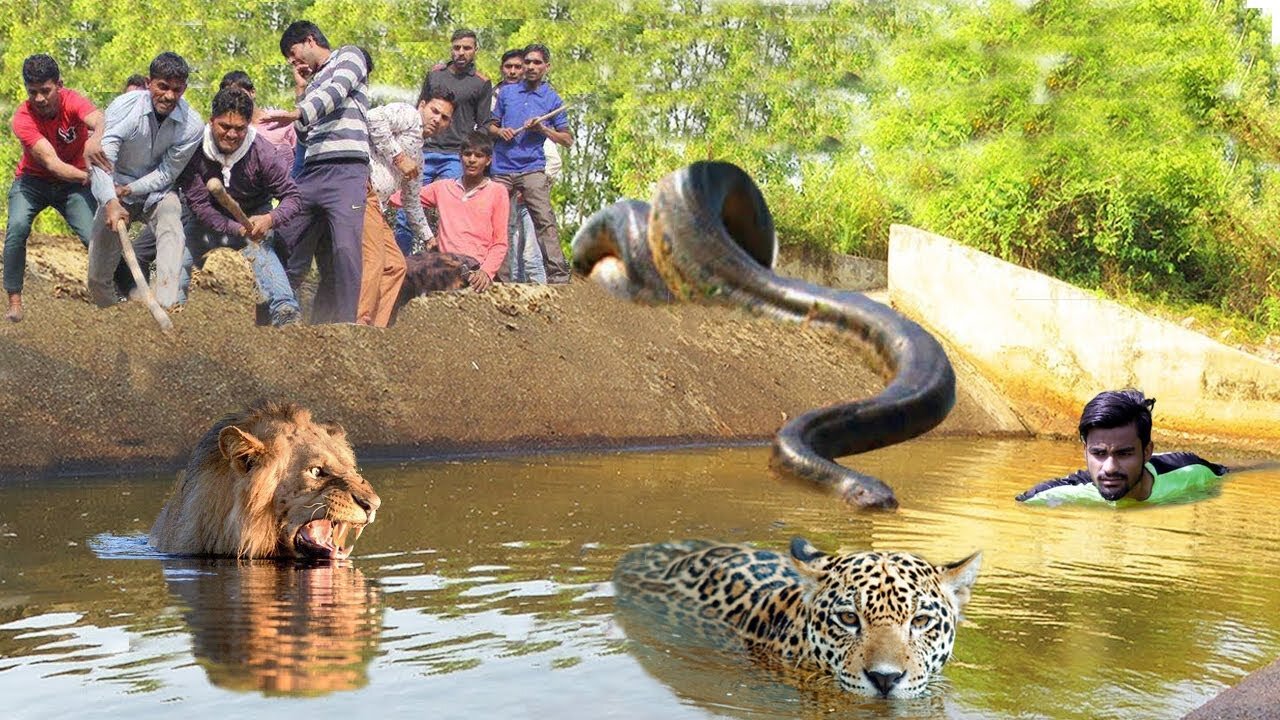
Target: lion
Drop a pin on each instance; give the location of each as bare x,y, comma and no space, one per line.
268,482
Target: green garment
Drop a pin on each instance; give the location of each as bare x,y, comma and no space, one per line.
1182,485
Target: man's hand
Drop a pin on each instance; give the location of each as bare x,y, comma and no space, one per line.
532,125
507,133
301,79
479,280
276,119
259,226
93,154
123,191
115,214
407,166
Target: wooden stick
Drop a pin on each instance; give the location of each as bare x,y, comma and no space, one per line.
219,193
131,259
553,113
543,118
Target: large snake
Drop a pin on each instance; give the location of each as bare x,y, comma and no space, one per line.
708,236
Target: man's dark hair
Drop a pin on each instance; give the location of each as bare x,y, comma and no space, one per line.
232,100
39,69
444,93
539,48
479,142
1117,408
298,31
368,60
169,66
135,81
237,78
438,93
514,52
464,33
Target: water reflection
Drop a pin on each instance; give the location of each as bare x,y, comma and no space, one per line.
279,628
486,594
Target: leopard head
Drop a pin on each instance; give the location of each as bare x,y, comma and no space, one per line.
882,623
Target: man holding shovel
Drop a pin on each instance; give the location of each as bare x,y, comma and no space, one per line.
246,172
523,118
148,140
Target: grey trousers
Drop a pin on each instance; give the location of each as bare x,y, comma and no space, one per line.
537,198
330,230
164,220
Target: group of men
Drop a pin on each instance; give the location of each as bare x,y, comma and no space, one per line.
289,187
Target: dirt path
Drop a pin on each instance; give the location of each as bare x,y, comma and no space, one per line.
523,366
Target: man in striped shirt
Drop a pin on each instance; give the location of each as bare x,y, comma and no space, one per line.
330,122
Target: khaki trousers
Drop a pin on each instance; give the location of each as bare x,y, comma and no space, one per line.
382,267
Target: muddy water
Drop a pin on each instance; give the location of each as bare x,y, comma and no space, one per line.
482,592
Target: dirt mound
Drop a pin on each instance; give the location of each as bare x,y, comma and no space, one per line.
517,367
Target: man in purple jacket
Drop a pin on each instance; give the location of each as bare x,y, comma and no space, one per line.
254,173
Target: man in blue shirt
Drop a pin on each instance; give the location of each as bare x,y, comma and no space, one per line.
518,159
148,140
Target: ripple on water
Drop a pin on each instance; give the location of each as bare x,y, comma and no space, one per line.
483,591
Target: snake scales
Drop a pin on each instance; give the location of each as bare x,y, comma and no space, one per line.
708,236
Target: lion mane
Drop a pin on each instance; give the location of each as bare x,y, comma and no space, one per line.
268,482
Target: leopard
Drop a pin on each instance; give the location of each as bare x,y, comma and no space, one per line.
881,624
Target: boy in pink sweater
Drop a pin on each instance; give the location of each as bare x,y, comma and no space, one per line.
473,221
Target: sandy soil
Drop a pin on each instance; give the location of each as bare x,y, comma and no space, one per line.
520,367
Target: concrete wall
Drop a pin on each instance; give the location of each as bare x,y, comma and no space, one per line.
1050,346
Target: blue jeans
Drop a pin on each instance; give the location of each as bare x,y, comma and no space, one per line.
524,256
268,272
28,196
434,167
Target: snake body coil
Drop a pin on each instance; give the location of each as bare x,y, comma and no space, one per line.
709,236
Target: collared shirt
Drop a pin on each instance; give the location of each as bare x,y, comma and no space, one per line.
471,93
393,129
66,132
549,147
148,154
516,105
471,223
333,114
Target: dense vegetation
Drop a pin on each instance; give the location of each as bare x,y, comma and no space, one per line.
1128,146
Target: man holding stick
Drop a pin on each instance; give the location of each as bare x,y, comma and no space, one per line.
524,117
148,140
247,172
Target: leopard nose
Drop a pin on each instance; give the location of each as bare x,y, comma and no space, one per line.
883,681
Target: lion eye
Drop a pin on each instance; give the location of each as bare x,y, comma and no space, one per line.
849,619
315,471
922,621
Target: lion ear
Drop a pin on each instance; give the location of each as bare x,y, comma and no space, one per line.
239,447
335,430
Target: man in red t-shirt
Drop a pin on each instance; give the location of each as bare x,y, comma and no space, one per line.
52,126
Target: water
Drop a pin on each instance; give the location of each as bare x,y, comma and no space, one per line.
482,591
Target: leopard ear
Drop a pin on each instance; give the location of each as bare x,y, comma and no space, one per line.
807,558
958,577
240,448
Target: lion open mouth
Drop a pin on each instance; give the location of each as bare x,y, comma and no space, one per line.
329,539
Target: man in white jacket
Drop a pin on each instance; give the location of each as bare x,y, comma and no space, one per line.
396,132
